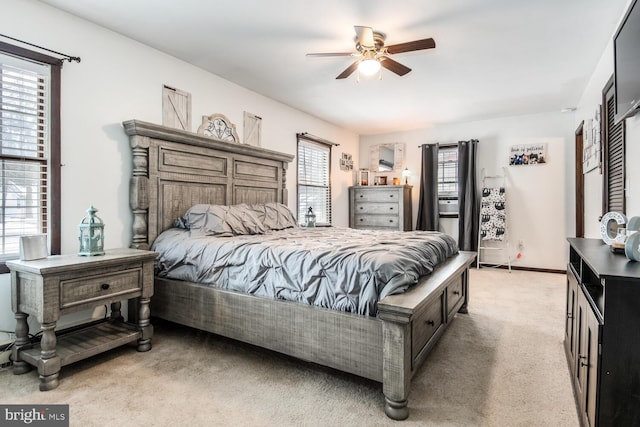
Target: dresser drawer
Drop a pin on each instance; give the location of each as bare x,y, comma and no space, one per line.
454,295
389,221
425,325
89,289
376,208
377,195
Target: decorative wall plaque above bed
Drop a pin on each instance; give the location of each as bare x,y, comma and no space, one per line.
219,127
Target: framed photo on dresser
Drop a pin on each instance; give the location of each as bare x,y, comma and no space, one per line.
363,177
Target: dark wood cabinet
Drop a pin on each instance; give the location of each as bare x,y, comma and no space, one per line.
602,335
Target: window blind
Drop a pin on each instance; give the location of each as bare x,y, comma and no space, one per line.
24,141
314,188
448,172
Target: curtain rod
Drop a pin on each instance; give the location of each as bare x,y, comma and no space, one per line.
66,57
307,135
449,144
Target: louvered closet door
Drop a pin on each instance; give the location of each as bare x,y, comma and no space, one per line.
613,171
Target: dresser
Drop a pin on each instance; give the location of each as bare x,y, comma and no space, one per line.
383,207
602,335
57,285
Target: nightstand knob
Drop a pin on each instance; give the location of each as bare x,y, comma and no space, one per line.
104,286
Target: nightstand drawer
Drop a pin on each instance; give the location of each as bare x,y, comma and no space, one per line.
104,286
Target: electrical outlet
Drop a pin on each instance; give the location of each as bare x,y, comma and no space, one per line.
520,249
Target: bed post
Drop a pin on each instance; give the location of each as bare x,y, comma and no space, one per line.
285,194
465,291
396,363
139,191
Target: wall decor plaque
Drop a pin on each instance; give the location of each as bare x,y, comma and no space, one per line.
218,126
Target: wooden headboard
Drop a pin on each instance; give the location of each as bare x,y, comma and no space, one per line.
174,170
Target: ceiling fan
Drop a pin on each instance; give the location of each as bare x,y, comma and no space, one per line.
372,53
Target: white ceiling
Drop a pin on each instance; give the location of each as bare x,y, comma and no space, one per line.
493,57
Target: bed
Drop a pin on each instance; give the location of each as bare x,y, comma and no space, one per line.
174,170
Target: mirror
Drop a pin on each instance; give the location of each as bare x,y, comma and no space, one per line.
387,157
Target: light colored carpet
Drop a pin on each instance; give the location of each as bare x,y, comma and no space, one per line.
501,365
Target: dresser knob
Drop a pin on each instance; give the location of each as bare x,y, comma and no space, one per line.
430,322
361,219
390,220
456,292
104,286
391,208
361,208
391,195
361,196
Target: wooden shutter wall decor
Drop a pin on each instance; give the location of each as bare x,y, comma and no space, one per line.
613,199
176,108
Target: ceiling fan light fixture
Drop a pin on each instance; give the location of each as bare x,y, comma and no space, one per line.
369,66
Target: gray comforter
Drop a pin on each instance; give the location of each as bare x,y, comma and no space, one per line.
337,268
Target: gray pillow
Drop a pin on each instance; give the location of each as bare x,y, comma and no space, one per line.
245,221
202,221
275,216
219,220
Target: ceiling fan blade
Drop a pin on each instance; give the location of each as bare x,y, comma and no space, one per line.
411,46
394,66
328,54
346,73
365,36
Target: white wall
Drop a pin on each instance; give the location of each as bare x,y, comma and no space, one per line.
537,196
590,100
119,79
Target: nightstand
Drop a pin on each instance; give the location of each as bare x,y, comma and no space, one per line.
57,285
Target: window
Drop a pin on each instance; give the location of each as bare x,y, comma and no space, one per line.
314,180
448,180
613,146
29,149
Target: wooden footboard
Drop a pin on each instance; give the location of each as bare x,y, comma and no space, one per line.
388,348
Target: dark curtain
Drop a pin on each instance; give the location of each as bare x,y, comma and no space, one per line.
468,204
428,206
